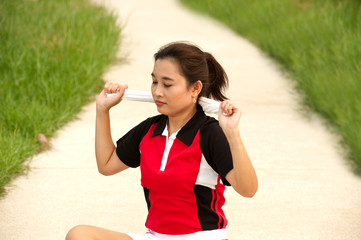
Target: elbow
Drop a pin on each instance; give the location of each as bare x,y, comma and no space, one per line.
253,190
248,192
104,172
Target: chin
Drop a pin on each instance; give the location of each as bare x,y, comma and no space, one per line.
163,111
170,111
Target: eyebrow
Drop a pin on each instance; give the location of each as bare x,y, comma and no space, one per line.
164,78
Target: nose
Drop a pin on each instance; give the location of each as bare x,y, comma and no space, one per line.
157,91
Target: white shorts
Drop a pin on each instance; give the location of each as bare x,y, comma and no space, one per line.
218,234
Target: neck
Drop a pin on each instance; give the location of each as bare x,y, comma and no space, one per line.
177,122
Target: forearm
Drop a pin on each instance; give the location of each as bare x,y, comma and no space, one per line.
244,178
104,146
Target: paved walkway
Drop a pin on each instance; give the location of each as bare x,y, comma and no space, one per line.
306,189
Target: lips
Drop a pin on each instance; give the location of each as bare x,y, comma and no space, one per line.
159,103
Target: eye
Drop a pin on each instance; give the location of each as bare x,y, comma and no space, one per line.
167,86
154,82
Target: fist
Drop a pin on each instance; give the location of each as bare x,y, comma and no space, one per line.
105,102
228,116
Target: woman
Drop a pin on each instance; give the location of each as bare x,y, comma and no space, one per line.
186,158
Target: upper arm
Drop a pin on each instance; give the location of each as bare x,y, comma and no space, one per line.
113,166
231,178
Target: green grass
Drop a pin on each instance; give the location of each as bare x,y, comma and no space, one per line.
318,42
52,56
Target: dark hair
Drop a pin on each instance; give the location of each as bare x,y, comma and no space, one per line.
197,65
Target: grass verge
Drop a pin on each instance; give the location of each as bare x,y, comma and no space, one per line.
52,56
318,43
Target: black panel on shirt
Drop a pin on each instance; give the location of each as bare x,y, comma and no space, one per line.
215,148
128,146
207,217
146,195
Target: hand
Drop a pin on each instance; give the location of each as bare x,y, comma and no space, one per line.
228,116
105,102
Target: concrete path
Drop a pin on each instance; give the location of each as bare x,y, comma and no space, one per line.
306,189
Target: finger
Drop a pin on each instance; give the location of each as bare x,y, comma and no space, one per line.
121,90
223,105
117,91
114,88
235,110
107,87
227,108
123,86
223,109
231,109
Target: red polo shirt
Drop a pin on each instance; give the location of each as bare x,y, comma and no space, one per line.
180,174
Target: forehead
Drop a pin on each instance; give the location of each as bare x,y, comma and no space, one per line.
167,67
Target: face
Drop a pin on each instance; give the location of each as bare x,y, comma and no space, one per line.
169,88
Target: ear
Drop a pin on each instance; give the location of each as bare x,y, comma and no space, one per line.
196,88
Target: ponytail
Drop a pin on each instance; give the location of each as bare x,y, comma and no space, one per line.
197,65
217,77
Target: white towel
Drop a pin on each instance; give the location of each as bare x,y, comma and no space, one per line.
208,105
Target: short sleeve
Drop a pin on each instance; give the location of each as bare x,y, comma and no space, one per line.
128,146
216,150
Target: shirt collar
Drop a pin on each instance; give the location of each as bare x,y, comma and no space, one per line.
173,136
187,133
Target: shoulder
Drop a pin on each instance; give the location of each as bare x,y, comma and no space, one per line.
143,127
210,127
212,137
150,121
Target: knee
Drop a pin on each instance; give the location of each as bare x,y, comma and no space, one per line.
77,233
